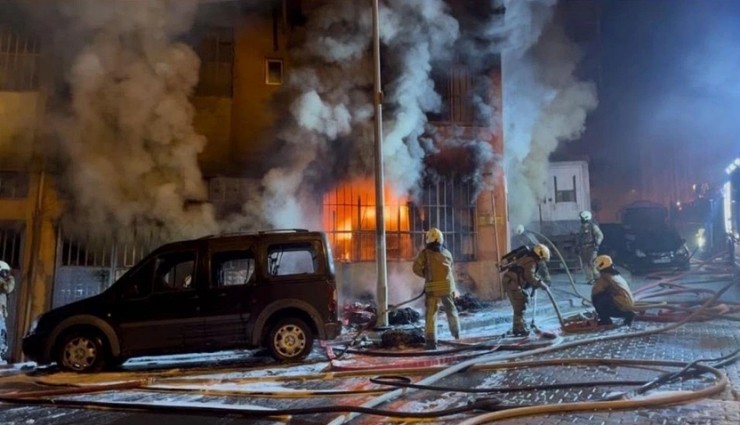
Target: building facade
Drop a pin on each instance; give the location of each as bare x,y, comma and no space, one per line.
245,59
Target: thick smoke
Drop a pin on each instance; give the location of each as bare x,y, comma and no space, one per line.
329,134
124,128
544,102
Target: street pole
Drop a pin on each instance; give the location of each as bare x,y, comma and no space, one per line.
380,254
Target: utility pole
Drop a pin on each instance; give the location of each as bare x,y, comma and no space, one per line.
380,251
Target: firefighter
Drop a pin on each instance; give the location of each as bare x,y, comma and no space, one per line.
525,237
7,285
589,239
523,274
611,294
434,264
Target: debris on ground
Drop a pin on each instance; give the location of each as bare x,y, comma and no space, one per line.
403,316
469,302
402,338
359,314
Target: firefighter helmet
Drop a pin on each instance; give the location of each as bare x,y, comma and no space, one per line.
519,229
542,251
602,262
585,216
435,235
4,269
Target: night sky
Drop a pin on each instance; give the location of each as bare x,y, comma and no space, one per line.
668,76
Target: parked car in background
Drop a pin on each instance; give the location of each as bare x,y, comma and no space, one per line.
273,289
645,240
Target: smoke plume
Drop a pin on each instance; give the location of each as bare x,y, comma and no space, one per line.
121,120
544,102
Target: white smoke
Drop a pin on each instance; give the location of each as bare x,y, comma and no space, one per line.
544,102
131,153
329,136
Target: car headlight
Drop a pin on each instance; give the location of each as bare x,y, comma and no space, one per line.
639,253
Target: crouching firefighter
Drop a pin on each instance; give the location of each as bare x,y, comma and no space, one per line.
611,294
434,264
521,272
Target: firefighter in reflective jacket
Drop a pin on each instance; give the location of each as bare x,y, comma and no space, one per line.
589,239
611,294
523,274
434,264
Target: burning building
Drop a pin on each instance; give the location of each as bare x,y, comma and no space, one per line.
124,126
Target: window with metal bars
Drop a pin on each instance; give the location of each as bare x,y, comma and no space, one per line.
456,87
10,244
216,52
349,220
89,252
19,59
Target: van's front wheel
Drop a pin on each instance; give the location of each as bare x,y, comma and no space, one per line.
81,352
290,340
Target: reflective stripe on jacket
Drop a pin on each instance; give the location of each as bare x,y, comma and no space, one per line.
617,288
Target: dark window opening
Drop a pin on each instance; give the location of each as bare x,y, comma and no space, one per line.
565,195
274,71
19,62
216,52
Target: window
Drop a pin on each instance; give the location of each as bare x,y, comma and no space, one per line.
274,71
216,52
565,194
291,259
19,57
349,219
457,89
174,272
13,185
233,268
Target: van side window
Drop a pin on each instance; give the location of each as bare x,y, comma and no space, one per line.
292,259
139,285
232,268
174,272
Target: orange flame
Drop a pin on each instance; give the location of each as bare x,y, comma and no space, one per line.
349,216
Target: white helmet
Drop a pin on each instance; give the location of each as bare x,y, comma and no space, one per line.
435,235
542,251
519,229
585,215
602,262
4,269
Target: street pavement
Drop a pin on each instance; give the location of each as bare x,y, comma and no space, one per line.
249,379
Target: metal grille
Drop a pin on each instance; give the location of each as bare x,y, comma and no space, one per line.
10,243
456,87
19,58
349,220
448,205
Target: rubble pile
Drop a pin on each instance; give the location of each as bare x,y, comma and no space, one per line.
469,302
403,316
402,338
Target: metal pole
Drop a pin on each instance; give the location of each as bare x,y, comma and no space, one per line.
380,254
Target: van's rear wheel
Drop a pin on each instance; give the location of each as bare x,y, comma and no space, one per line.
81,352
290,340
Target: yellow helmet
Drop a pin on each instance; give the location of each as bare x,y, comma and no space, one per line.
542,251
602,262
435,235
